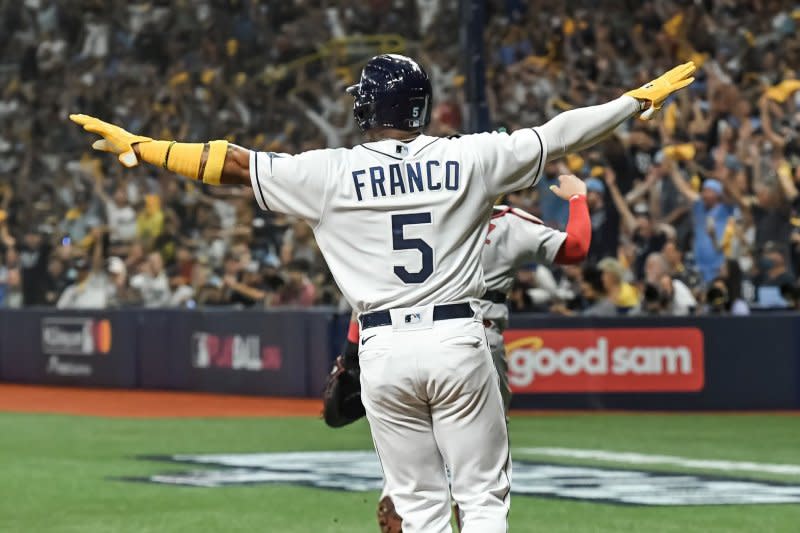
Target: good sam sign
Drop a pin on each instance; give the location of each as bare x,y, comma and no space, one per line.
605,360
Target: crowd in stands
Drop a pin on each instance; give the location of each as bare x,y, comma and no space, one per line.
695,212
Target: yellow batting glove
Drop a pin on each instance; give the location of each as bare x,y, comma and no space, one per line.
114,139
186,159
660,88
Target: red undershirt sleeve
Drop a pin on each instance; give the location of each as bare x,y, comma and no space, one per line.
352,333
579,233
350,350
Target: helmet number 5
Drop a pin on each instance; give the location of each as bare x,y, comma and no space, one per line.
399,242
415,112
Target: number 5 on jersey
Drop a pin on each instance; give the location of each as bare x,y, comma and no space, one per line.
400,242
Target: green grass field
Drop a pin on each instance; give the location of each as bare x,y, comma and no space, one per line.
59,474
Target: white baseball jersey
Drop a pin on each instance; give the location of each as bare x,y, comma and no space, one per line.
401,224
514,238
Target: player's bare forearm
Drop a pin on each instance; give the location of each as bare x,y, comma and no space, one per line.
235,169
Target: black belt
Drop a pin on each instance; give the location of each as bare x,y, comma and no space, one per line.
497,297
440,312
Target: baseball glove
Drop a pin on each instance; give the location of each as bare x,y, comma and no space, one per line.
388,519
342,396
390,522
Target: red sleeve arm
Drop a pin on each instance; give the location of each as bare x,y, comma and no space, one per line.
350,350
352,332
575,247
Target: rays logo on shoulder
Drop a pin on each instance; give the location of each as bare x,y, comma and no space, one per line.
359,471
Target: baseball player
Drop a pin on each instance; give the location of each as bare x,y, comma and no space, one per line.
417,206
514,238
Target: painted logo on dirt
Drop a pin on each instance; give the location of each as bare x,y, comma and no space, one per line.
74,337
359,471
605,360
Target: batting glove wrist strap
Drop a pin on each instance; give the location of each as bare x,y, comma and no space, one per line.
181,158
187,159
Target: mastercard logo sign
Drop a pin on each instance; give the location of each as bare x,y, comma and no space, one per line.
76,336
102,336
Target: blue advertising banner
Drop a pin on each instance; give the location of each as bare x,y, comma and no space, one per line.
242,352
70,348
624,363
323,343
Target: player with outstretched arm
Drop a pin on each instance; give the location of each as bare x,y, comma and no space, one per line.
513,238
417,205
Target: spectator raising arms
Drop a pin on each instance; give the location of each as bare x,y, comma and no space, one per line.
708,184
710,217
152,282
92,288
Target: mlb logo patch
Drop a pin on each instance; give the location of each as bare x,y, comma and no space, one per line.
413,318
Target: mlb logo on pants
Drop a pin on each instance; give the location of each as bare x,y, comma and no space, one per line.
413,318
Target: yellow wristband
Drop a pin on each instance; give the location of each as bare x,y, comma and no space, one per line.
181,158
184,159
217,150
154,152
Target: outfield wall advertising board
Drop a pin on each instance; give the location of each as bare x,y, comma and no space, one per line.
554,362
240,353
95,348
605,360
655,363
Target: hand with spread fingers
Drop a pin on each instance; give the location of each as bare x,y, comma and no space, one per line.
660,88
114,139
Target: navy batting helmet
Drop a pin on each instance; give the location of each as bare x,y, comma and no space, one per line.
394,92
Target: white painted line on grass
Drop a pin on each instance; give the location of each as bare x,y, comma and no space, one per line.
672,460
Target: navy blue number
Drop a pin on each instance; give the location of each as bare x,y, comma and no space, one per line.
399,242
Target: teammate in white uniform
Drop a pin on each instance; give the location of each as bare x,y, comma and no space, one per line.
417,206
516,238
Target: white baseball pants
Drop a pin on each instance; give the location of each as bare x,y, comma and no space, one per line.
498,349
432,399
